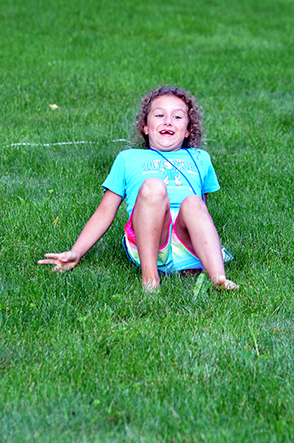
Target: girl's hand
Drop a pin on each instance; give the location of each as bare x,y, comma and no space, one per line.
63,262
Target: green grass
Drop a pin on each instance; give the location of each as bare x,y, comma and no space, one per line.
87,356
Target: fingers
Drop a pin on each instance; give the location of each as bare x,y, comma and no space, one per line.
54,258
64,256
56,269
59,266
63,261
46,262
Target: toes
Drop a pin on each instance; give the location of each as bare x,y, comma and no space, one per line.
151,286
232,285
229,285
223,283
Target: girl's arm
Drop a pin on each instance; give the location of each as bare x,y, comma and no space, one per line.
94,229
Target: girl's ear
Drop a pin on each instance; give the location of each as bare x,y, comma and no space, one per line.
146,129
187,133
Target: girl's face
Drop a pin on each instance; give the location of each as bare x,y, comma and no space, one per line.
167,123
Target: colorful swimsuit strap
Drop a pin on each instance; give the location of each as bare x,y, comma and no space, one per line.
181,172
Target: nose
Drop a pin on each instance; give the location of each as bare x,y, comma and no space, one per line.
168,120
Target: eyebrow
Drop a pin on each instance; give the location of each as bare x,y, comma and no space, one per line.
174,110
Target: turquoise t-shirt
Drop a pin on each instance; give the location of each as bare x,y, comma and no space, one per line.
131,168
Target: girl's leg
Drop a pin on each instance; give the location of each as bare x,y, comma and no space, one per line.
151,217
195,228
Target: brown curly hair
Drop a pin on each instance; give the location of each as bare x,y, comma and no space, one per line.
194,125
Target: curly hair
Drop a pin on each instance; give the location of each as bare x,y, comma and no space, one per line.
194,125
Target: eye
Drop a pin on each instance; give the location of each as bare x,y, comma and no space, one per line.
159,115
177,117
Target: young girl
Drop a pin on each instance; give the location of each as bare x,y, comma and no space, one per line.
166,185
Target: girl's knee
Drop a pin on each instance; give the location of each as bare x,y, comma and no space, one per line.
154,188
193,202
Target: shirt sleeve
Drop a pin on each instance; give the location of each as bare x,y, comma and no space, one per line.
115,181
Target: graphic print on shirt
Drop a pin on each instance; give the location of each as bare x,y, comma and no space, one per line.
170,171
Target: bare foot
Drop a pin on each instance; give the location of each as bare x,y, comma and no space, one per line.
151,286
222,283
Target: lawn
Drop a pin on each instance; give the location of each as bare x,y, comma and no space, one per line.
87,356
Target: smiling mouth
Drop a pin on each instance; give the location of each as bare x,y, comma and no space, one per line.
166,132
